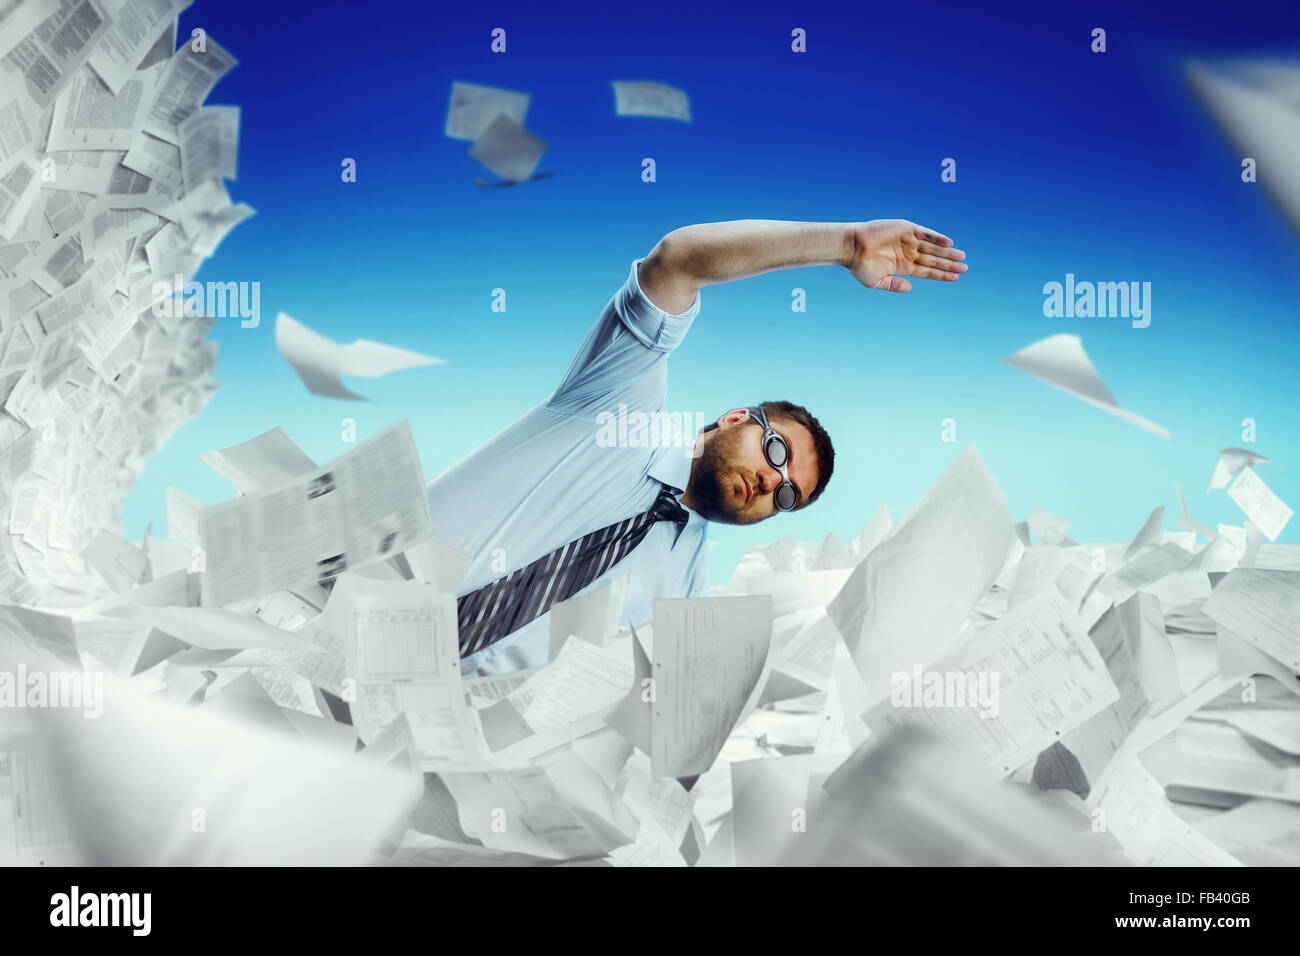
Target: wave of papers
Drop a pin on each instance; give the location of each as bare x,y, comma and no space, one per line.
111,182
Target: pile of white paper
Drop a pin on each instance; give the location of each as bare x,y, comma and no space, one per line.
1136,701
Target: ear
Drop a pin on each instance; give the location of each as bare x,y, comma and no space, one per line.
733,417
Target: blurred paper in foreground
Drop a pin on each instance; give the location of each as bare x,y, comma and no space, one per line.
150,783
911,800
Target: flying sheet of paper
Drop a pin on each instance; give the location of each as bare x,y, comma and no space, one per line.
50,54
162,50
664,800
538,818
404,652
1231,461
320,361
1049,680
1236,655
18,189
20,19
1185,520
1146,569
877,528
592,617
1277,727
1138,815
19,122
1140,621
581,680
809,655
436,562
508,150
157,159
708,656
209,144
497,686
35,829
183,85
650,848
644,98
87,115
363,507
906,600
796,591
1265,509
1041,566
631,718
137,25
267,461
1061,362
1263,607
1119,639
472,109
1260,121
1149,535
1214,762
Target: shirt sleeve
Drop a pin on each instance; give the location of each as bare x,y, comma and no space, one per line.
623,359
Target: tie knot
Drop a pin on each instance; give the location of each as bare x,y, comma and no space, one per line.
667,508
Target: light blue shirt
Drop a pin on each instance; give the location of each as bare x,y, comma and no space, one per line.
555,475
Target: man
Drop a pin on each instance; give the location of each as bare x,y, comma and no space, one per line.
549,511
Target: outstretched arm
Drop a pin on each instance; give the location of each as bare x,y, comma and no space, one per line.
880,254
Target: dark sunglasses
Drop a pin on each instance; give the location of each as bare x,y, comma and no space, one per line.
778,453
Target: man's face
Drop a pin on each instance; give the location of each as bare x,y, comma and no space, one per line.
732,481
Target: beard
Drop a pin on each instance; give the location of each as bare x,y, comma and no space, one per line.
713,481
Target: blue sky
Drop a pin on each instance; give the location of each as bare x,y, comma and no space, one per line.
1100,165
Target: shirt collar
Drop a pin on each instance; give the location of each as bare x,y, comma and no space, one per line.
672,466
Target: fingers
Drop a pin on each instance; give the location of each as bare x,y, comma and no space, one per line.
929,235
923,272
941,264
943,252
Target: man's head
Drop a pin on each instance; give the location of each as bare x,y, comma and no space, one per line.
733,482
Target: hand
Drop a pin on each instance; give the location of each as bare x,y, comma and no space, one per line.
886,250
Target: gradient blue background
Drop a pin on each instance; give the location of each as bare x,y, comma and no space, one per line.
1068,161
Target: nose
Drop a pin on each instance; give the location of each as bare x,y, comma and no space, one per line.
768,479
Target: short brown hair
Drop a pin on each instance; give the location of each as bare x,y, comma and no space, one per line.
822,446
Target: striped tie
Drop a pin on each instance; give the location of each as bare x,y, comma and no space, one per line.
508,603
